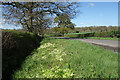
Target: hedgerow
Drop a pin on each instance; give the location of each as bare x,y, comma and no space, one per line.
79,35
16,45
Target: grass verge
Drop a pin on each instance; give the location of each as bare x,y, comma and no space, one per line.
58,58
104,38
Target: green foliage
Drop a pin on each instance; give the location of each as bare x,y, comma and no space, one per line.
16,45
114,33
79,35
55,29
60,31
64,20
107,35
45,62
58,58
102,34
96,28
63,30
56,35
104,38
72,35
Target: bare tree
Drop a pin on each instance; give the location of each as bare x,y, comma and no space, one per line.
33,15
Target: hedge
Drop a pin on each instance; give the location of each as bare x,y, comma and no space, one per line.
114,33
79,35
16,46
55,35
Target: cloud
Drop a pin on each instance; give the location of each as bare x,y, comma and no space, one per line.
1,26
5,19
91,4
81,23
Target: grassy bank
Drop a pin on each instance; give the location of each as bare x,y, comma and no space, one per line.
58,58
104,38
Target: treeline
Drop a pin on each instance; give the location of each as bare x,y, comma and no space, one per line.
112,34
95,29
60,31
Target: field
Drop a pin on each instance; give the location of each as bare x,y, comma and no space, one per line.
104,38
105,35
58,58
79,35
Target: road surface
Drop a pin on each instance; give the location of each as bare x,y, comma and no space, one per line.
110,44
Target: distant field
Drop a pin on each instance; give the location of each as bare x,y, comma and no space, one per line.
58,58
104,38
79,35
106,35
94,35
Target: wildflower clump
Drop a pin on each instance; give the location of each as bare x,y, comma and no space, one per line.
47,45
47,62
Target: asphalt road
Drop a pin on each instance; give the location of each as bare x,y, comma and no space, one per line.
110,43
105,43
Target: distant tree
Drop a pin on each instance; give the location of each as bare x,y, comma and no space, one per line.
62,30
56,29
96,28
64,20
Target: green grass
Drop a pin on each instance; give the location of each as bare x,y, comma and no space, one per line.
58,58
104,38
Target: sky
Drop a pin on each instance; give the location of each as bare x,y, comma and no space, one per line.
97,14
91,14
